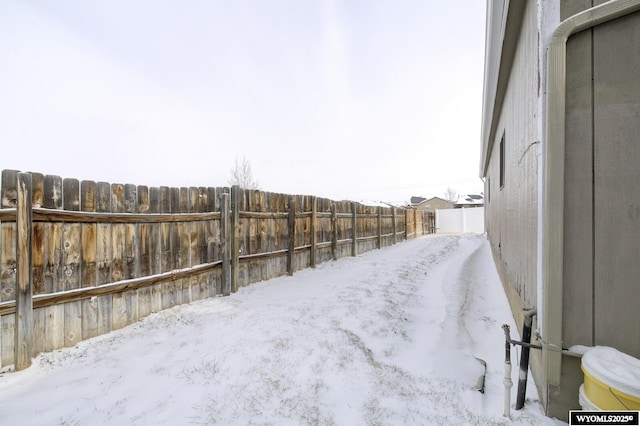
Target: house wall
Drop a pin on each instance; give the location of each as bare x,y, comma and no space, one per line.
432,204
511,210
602,203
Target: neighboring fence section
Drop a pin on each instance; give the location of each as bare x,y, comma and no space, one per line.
465,220
81,258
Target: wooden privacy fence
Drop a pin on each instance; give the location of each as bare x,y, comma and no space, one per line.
81,258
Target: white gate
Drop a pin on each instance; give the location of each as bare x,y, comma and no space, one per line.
468,220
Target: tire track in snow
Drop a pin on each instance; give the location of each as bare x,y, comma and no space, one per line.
410,284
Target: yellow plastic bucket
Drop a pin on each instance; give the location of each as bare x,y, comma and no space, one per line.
611,379
585,402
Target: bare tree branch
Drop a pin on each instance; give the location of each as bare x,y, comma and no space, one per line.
451,195
242,175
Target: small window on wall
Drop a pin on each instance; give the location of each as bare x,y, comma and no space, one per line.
502,162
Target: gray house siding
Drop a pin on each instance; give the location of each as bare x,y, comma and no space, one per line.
578,259
602,248
511,211
617,177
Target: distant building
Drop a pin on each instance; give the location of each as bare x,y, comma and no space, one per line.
431,204
560,159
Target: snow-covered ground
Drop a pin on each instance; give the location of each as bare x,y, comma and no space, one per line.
389,337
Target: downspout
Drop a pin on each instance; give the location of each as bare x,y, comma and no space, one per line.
553,190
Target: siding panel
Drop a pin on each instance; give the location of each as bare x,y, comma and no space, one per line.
578,224
617,199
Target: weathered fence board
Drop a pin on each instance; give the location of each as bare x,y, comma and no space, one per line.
144,269
54,315
291,223
193,252
131,253
119,302
71,261
235,235
155,248
225,244
184,237
39,317
176,246
167,245
206,285
104,255
213,236
89,232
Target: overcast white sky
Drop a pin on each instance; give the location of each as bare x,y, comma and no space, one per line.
357,99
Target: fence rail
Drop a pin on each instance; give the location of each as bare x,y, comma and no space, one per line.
82,258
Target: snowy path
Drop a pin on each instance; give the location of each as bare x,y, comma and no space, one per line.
387,338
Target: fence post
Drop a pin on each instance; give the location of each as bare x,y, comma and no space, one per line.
8,263
354,225
225,242
379,227
406,224
393,219
24,275
314,236
235,231
292,234
334,227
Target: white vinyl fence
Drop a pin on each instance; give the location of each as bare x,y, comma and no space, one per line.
469,220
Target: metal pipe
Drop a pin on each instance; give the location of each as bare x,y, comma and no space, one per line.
524,358
525,344
508,384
